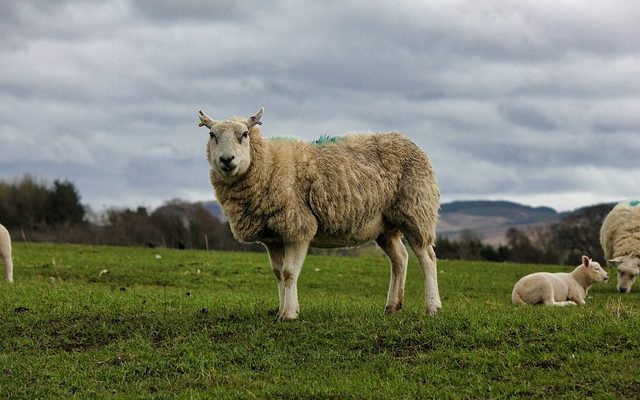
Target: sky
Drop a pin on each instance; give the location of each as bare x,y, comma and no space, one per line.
531,101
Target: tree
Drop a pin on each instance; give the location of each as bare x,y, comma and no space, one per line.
63,204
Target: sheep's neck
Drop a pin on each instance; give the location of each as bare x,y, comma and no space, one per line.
582,279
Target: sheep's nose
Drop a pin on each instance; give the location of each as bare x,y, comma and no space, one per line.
622,290
226,160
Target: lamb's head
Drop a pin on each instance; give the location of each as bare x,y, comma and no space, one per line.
229,147
594,271
628,270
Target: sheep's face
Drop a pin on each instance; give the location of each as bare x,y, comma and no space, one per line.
229,150
595,272
628,271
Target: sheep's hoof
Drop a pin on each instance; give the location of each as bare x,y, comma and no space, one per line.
431,311
392,308
288,316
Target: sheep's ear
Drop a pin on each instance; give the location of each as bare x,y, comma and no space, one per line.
616,261
586,261
255,118
206,120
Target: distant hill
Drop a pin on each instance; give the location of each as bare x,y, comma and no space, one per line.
491,219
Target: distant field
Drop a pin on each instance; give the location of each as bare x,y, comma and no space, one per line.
191,324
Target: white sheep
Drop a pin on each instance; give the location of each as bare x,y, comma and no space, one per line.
620,240
290,194
5,252
561,288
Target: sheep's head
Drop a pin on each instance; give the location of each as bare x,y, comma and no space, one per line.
229,147
594,270
628,271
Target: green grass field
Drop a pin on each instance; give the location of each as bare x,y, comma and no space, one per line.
193,324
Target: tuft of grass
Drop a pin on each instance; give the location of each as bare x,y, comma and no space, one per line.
170,323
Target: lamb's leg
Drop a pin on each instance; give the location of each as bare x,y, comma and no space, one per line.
427,259
560,303
276,257
294,255
392,246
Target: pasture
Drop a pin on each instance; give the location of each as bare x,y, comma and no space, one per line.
165,323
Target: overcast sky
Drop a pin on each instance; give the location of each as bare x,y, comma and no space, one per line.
531,101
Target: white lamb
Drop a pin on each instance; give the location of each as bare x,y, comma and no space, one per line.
341,192
620,240
5,252
561,288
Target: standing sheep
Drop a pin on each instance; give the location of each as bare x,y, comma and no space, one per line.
5,252
289,195
561,288
620,240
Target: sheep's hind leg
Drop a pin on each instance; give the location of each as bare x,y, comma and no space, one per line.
276,257
392,246
427,259
294,255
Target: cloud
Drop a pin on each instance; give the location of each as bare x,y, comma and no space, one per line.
509,99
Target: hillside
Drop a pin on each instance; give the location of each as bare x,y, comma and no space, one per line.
491,219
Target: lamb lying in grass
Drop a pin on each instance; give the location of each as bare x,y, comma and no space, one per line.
559,289
5,252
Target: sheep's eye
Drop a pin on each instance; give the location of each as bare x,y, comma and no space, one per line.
245,134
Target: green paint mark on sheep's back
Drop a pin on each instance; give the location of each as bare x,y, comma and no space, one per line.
634,203
326,139
284,139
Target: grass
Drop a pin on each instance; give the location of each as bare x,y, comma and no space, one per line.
192,324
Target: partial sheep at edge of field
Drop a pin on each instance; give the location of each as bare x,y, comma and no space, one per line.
561,288
5,252
620,241
343,192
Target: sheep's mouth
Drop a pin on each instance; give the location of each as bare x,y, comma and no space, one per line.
227,170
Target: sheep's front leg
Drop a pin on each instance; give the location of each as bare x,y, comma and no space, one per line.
276,258
294,255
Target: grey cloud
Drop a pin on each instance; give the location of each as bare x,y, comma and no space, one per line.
507,98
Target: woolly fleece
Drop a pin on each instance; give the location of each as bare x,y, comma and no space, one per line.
332,195
620,232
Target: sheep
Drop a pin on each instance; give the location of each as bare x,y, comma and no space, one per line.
620,241
561,288
5,252
289,195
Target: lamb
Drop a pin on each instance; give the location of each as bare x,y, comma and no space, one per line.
290,195
5,252
559,289
620,240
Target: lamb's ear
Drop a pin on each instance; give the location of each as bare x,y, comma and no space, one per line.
255,119
206,120
586,261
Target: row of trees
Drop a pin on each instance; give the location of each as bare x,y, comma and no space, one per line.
563,242
37,211
31,204
41,212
